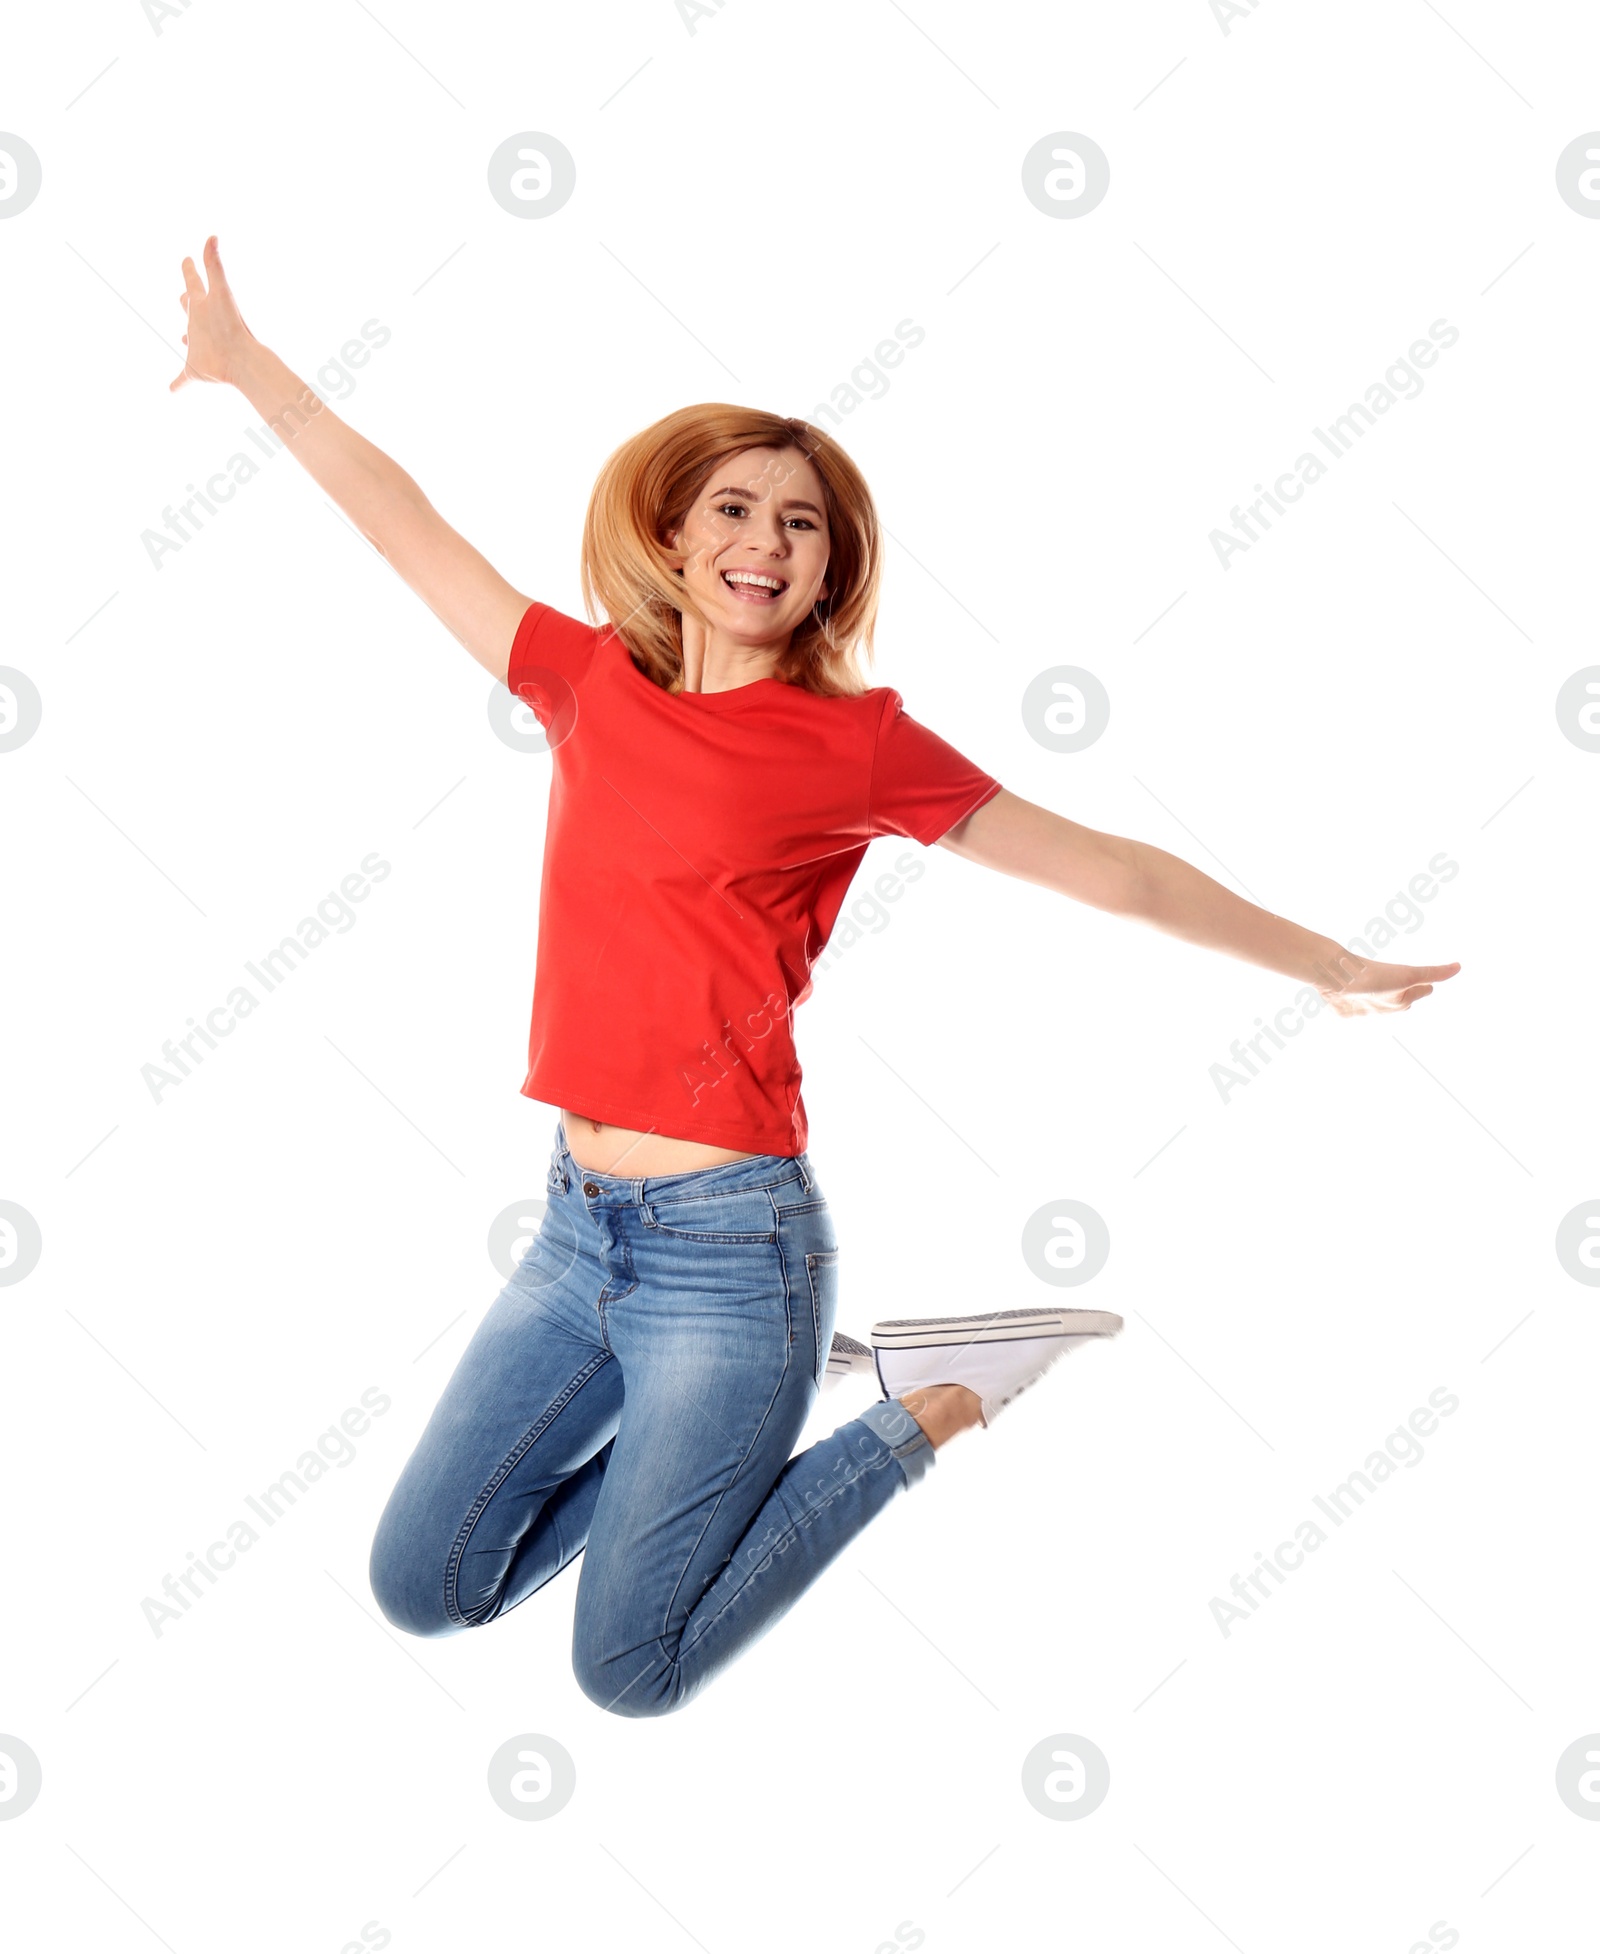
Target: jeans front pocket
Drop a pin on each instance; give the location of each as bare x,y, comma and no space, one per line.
822,1271
741,1214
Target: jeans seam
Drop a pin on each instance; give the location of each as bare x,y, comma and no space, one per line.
788,1534
475,1512
755,1436
766,1187
688,1235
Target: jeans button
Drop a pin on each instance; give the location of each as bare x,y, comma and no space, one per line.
590,1188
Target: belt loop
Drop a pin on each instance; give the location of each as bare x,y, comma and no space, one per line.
805,1171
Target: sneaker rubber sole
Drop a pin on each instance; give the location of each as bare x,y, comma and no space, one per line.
992,1326
847,1357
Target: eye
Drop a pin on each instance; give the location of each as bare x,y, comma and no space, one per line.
805,522
732,509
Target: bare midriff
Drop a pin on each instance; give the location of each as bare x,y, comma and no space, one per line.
606,1149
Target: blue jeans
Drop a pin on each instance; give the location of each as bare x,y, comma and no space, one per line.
634,1394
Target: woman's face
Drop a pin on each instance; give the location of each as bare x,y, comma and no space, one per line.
754,547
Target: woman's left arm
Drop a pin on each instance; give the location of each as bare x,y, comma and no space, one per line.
1130,878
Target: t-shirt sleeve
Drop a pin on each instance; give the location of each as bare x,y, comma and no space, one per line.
921,786
550,659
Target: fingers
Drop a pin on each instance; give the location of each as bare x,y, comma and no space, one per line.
214,271
1358,1004
193,288
194,285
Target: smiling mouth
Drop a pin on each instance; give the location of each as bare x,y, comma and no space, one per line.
754,586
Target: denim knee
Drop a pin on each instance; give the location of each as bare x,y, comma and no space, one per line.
629,1687
409,1593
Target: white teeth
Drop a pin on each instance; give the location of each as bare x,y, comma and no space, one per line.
751,577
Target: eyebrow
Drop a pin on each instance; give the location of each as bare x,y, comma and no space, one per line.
788,502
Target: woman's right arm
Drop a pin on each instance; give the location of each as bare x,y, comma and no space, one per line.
463,590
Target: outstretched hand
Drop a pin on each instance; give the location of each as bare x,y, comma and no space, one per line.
217,335
1359,987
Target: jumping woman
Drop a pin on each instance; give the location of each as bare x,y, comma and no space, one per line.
718,769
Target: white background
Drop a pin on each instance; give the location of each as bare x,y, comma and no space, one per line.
1371,1752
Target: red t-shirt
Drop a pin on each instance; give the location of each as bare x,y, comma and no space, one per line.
697,852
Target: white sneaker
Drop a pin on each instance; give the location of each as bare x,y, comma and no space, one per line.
846,1358
997,1354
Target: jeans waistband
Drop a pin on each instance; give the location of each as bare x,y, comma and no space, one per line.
760,1170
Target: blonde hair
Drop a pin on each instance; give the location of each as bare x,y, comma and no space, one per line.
645,491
